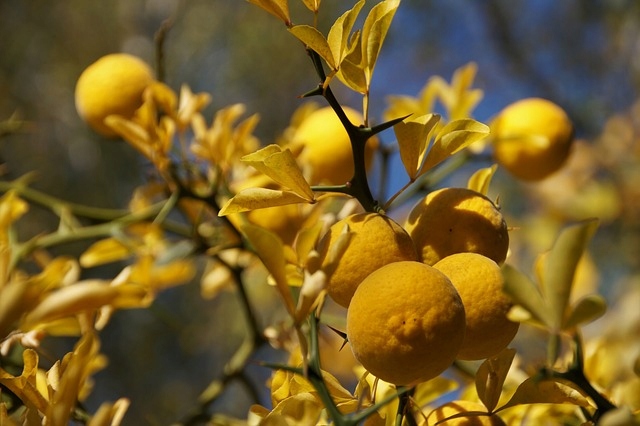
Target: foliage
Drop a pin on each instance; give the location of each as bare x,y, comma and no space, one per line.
207,174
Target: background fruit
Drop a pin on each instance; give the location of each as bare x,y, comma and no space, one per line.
327,148
456,407
375,241
114,84
479,283
532,138
456,220
405,323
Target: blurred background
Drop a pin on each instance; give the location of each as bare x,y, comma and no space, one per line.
583,55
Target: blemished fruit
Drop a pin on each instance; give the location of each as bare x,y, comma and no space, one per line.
113,85
452,408
406,323
327,148
479,283
457,220
532,138
375,241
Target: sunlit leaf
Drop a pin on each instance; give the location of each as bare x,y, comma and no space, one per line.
374,32
259,198
481,179
110,414
524,292
433,389
559,265
12,208
315,40
413,136
340,32
281,166
24,386
587,309
270,249
491,376
452,138
312,5
312,286
351,71
306,241
278,8
105,251
545,391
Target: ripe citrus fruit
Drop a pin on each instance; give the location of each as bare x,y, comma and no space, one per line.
114,84
532,138
474,418
375,240
456,220
405,323
326,146
479,283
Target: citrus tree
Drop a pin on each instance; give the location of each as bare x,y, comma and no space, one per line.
424,287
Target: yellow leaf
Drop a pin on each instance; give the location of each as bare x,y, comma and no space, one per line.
110,414
270,250
525,293
313,39
25,386
278,8
280,166
374,32
491,376
104,251
259,198
351,71
312,5
587,309
544,391
454,137
11,209
413,136
310,291
340,32
481,179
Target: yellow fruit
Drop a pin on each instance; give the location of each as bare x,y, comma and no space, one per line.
532,138
114,84
449,409
375,240
457,220
405,323
479,283
326,146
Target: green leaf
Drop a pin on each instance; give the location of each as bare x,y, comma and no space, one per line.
588,309
523,292
270,249
278,8
558,268
454,137
374,32
315,40
481,179
339,34
491,376
413,139
259,198
545,391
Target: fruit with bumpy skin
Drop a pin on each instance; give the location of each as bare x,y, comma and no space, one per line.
375,240
532,138
473,418
457,220
113,85
405,323
479,283
327,147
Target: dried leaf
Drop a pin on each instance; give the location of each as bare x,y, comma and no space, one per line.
491,376
413,137
558,268
278,8
545,391
314,39
454,137
270,249
481,179
587,309
524,292
259,198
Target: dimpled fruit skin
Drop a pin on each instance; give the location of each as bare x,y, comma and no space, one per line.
479,282
456,220
405,323
532,138
114,84
327,148
456,407
375,241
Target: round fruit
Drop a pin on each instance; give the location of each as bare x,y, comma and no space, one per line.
479,283
456,220
532,138
114,84
406,323
375,240
474,418
327,147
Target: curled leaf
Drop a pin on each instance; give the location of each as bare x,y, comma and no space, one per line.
259,198
481,179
